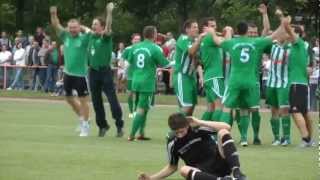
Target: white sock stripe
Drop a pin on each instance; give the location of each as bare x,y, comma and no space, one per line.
227,142
193,174
235,167
235,154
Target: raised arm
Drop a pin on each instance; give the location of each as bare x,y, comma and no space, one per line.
163,173
217,39
286,24
109,9
195,46
265,19
54,19
210,124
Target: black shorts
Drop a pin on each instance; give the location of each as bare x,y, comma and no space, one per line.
75,83
218,166
298,98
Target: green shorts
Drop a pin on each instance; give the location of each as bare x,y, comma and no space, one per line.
214,89
145,100
277,97
129,85
241,96
185,88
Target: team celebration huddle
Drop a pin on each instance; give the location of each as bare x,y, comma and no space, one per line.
226,64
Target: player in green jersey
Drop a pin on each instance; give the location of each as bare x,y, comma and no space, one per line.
244,52
184,77
298,79
135,38
254,113
75,67
211,59
144,59
277,93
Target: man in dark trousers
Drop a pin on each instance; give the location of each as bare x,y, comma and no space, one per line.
100,73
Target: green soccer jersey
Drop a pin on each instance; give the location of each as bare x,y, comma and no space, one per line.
183,63
99,51
144,59
75,53
211,58
125,56
244,54
298,62
278,74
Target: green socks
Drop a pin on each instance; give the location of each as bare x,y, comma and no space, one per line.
136,102
286,127
237,118
206,116
143,124
275,125
244,125
130,104
225,117
255,122
138,120
215,116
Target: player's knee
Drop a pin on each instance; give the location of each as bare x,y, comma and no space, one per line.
222,133
184,171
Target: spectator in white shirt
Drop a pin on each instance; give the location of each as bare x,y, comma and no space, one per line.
5,55
5,59
19,59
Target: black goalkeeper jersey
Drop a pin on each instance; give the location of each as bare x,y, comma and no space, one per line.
197,149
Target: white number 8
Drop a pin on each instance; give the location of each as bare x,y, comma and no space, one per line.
140,61
244,56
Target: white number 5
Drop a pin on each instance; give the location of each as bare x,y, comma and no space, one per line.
244,56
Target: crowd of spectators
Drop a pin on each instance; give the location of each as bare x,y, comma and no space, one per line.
35,62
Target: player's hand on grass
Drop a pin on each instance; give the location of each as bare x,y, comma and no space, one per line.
144,176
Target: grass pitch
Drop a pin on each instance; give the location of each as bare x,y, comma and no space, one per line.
38,142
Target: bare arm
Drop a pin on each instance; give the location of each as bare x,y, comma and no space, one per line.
266,23
200,73
109,8
195,46
286,24
217,39
210,124
280,33
163,173
54,19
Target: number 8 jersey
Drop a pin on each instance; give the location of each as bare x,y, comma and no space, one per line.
144,58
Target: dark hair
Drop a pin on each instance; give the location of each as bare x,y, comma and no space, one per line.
205,21
177,121
252,25
298,30
135,34
187,24
101,21
148,32
242,28
73,20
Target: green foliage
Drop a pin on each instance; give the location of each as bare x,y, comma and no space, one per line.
130,16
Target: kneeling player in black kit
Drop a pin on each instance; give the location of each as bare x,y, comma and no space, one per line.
205,159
